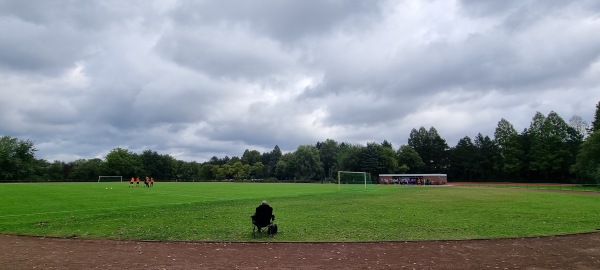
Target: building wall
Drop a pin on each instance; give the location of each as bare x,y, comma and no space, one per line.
413,179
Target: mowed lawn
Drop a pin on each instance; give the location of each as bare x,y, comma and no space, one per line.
304,212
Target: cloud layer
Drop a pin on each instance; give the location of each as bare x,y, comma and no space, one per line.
196,79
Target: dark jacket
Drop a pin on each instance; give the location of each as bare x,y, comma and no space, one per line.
263,215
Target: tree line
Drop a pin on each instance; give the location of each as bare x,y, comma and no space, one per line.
549,150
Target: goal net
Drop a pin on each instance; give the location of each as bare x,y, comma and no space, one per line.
110,178
354,180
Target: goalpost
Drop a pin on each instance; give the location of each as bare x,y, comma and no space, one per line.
114,177
357,178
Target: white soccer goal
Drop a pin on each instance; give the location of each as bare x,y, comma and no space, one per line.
353,178
110,178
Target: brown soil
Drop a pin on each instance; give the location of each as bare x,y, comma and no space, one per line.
581,251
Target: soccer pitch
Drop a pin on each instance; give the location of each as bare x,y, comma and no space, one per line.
304,212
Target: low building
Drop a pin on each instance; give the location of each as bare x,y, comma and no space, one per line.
413,179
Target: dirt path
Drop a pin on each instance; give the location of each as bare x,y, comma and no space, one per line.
556,252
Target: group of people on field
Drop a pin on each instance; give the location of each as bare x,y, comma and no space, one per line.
149,181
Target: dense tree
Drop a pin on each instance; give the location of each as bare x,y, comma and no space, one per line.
510,150
240,171
328,151
387,144
233,160
86,169
431,147
273,159
250,157
217,161
388,162
285,169
486,157
40,169
181,170
587,166
308,163
56,171
531,143
159,166
419,140
221,172
206,172
409,159
369,159
463,158
550,153
349,158
17,158
123,162
258,171
572,145
596,123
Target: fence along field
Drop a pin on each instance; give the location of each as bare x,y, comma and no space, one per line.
304,212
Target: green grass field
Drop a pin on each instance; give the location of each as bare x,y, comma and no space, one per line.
304,212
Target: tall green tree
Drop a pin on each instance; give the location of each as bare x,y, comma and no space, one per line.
86,169
596,123
285,169
240,171
206,172
431,147
250,157
531,142
308,163
273,159
258,171
369,159
17,158
409,159
328,151
56,171
507,139
158,166
485,158
349,158
550,154
388,162
462,159
123,162
587,165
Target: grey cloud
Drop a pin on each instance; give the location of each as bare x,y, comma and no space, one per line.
536,8
539,56
35,48
83,15
202,78
228,53
285,20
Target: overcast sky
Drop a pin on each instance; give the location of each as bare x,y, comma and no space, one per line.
196,79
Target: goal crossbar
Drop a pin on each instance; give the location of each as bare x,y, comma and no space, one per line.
110,176
340,173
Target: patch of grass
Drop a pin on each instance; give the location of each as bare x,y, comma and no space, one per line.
304,212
